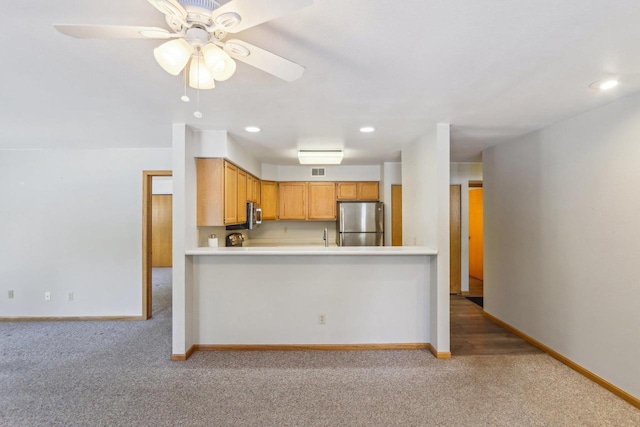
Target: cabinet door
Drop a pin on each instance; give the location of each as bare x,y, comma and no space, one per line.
251,189
210,192
347,191
242,196
230,193
368,190
269,200
258,191
293,200
322,200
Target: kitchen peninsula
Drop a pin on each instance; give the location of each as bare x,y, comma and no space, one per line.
303,297
311,297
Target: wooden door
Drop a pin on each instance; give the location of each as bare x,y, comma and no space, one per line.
242,196
476,237
293,200
269,200
455,262
161,209
396,215
368,190
322,200
347,191
230,193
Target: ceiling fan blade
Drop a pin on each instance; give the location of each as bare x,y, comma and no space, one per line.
263,60
253,12
113,32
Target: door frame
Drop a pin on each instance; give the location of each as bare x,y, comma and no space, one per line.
394,213
147,192
455,251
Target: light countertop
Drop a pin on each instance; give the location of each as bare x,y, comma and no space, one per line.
316,250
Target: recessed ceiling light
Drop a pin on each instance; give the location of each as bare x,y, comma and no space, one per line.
604,84
367,129
252,129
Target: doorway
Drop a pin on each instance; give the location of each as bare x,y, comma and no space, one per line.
476,239
156,220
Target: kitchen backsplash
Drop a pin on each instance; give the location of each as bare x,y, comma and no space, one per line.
294,231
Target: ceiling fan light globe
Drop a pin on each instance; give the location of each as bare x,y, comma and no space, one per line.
219,62
173,55
200,76
224,70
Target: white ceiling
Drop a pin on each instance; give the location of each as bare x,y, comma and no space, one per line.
494,69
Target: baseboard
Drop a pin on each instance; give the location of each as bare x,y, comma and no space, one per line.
570,363
183,357
438,354
70,318
302,347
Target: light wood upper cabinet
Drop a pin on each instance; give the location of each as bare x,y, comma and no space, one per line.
253,189
292,200
346,191
322,201
269,200
210,191
242,196
363,190
231,193
368,190
221,193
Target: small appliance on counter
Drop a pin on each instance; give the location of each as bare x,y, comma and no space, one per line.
360,224
235,240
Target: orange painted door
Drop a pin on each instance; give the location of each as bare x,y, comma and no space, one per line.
476,233
161,234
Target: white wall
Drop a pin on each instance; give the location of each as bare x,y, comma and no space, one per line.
425,217
562,240
219,144
333,173
161,185
71,221
461,174
391,175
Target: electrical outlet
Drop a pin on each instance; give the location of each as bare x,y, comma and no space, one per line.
47,296
70,296
11,294
322,319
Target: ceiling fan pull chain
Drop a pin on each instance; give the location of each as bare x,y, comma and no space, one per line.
184,97
198,114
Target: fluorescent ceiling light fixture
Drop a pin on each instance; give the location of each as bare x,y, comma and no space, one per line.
604,84
367,129
252,129
320,157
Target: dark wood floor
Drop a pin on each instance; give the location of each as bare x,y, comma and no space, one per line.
474,334
476,288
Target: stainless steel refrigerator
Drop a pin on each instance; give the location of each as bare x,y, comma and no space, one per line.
360,224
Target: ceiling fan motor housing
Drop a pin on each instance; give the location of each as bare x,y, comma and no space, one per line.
199,11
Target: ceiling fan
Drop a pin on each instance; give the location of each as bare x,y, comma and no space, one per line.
198,32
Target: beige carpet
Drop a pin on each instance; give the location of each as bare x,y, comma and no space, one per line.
119,373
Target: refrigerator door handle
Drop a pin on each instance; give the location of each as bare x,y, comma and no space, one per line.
341,220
